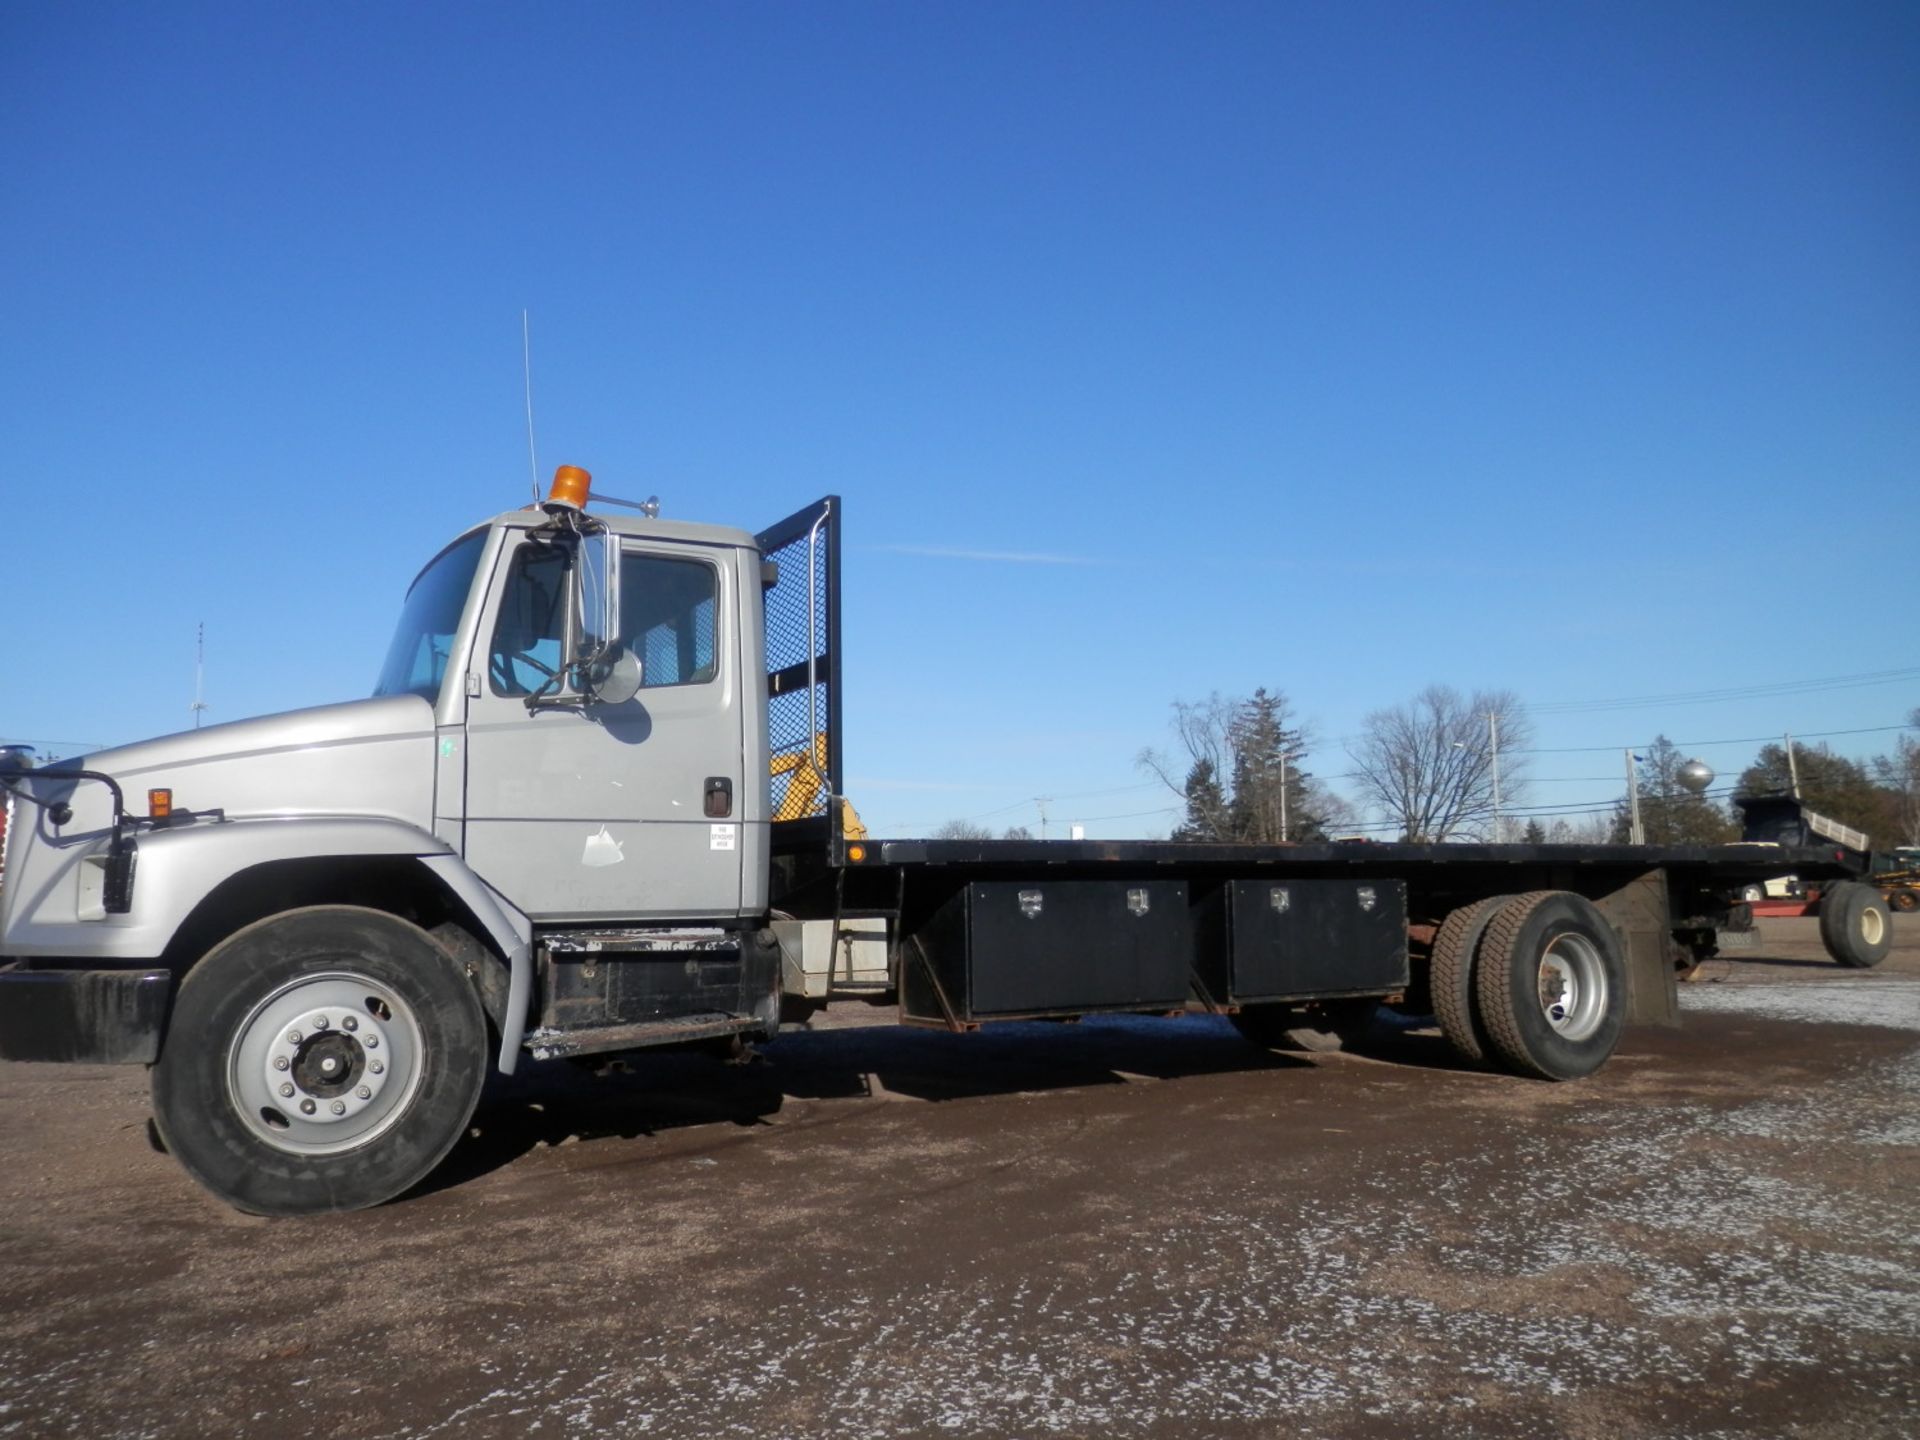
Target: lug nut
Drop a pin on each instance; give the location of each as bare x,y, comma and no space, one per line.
280,1062
365,1092
319,1022
377,1067
306,1107
349,1023
293,1037
339,1107
286,1090
372,1042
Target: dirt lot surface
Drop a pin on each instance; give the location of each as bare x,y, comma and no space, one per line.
1117,1228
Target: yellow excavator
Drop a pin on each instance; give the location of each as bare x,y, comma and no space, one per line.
806,772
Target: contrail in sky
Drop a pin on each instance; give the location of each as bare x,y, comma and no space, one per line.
1003,557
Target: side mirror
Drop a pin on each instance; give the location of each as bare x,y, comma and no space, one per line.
597,589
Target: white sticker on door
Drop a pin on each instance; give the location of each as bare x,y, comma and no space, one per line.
601,849
721,837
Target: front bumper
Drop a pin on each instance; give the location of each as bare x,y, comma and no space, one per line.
84,1017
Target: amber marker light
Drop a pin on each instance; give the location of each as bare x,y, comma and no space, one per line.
856,853
159,804
571,487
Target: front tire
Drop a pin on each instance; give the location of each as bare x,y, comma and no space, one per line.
324,1059
1856,924
1552,986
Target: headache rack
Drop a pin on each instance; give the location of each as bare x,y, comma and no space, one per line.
803,672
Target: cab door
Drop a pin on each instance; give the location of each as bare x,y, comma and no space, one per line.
589,812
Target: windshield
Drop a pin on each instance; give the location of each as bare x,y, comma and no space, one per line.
417,659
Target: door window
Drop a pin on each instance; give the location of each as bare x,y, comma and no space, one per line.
529,637
667,611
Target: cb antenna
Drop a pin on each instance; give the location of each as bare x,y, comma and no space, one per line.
199,672
526,370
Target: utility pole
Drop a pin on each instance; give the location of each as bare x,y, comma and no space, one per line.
1283,797
199,672
1793,766
1635,834
1041,802
1493,745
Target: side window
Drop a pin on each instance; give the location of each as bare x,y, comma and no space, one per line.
529,636
667,611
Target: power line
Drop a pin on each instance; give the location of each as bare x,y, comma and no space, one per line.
1049,799
1737,692
1707,744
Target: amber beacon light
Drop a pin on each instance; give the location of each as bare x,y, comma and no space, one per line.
571,486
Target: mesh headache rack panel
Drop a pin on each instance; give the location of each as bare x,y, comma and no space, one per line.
803,660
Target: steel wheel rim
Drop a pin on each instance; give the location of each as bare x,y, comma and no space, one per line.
1572,986
1873,925
325,1063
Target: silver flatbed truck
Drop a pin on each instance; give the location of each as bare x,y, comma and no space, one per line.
596,804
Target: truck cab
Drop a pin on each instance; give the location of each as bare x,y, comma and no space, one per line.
556,803
574,806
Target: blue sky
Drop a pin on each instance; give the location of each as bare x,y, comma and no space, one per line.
1337,348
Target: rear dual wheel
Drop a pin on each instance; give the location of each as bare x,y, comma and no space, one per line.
1534,983
1551,986
1450,975
324,1059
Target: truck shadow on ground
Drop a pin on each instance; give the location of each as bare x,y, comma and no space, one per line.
649,1094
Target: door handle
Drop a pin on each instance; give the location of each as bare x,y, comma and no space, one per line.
719,797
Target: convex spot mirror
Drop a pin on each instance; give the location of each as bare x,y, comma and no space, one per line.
615,679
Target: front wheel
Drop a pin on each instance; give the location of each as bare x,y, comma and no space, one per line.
1552,986
324,1059
1855,924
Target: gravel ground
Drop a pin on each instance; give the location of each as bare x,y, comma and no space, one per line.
1117,1228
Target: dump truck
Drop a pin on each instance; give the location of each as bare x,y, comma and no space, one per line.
596,804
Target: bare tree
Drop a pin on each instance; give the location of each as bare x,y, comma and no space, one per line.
1899,775
1429,764
1582,830
962,830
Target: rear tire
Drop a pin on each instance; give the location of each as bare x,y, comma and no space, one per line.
1906,901
1322,1029
1451,975
1552,986
1856,925
323,1059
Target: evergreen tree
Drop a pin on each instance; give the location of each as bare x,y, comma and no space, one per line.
1670,813
1270,790
1834,786
1206,817
1534,834
1244,759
